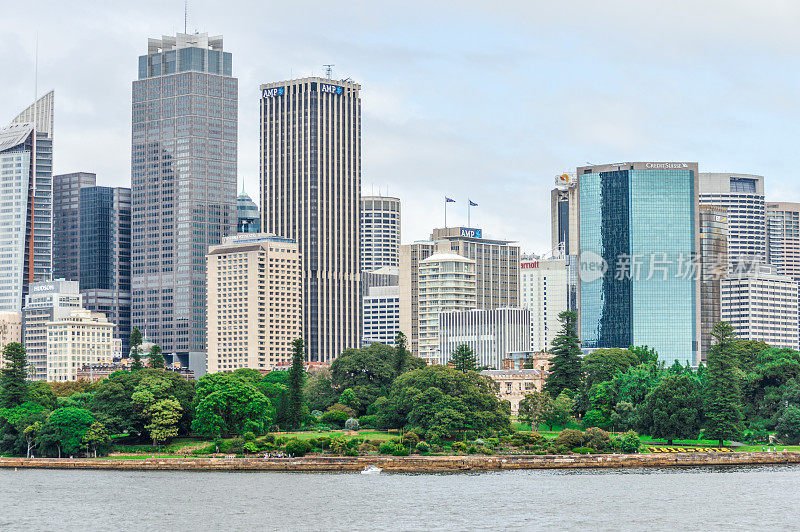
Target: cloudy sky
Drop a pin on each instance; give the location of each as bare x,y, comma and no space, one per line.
480,100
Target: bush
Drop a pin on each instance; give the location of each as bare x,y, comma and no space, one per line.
351,424
485,450
335,417
248,436
338,445
365,448
411,439
599,439
528,437
570,438
472,450
269,438
387,448
236,446
478,441
351,452
251,447
595,418
339,407
628,443
368,422
460,446
297,447
423,448
400,450
433,437
583,450
316,414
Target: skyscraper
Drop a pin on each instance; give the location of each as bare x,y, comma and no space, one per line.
545,289
641,221
183,166
248,220
311,189
105,255
67,223
26,216
713,268
743,197
564,215
783,238
380,232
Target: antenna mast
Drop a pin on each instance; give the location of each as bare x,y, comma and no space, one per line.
185,16
329,71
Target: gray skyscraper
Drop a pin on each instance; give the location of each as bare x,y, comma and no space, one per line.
248,219
105,255
183,166
67,223
26,216
311,189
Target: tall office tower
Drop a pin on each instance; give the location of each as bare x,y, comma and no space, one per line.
642,221
491,334
26,216
105,255
46,302
381,315
248,220
713,268
67,223
564,215
447,283
380,232
761,305
80,339
311,190
183,166
783,238
545,290
496,272
254,302
743,197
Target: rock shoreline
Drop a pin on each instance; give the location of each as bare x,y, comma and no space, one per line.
413,464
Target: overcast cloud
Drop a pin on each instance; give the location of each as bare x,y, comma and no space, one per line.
486,100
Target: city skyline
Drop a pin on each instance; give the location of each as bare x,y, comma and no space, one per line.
421,77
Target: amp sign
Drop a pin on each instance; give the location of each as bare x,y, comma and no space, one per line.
469,232
274,91
333,89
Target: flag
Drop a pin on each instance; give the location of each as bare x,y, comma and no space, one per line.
472,203
449,200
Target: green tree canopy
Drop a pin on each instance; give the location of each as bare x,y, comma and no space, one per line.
13,376
368,372
156,359
566,371
723,390
463,359
136,349
164,416
602,364
674,409
226,405
295,402
64,431
533,407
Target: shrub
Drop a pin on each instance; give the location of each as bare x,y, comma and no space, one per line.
485,450
297,447
583,450
423,448
433,437
528,437
597,438
316,414
493,441
387,448
236,446
338,445
595,418
570,438
562,449
335,417
459,446
251,447
269,438
472,450
478,441
411,439
351,452
400,450
628,442
248,436
365,448
368,422
339,407
351,424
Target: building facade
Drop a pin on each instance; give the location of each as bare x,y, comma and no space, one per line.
311,190
545,289
446,284
515,384
26,202
254,302
247,216
67,223
564,215
183,168
742,195
380,232
783,238
381,315
762,305
713,268
491,334
82,338
48,301
10,331
639,243
105,255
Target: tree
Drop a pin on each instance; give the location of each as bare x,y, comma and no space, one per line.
226,405
602,364
136,350
156,358
319,391
297,379
32,433
463,359
559,411
723,390
533,407
400,352
349,398
368,372
95,437
65,429
674,409
566,371
788,426
644,353
13,377
164,417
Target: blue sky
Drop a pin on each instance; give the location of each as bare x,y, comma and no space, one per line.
486,100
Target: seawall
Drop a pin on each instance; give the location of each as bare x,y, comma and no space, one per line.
412,464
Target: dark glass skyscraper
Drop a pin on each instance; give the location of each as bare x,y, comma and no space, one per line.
183,166
641,221
105,255
67,223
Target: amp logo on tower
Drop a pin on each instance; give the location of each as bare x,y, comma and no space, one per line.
274,91
333,89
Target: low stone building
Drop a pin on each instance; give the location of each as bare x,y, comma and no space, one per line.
514,384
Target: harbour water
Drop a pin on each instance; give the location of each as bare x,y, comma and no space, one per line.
653,499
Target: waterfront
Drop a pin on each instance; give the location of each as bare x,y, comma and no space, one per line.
657,499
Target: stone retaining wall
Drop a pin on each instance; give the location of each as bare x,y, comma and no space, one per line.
413,464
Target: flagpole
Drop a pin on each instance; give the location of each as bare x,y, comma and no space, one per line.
445,213
469,205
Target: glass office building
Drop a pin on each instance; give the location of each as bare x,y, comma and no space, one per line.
641,220
183,166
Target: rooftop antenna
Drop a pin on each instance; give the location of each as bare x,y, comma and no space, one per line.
185,16
329,71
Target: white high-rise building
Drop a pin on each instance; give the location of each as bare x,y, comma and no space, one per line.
380,232
26,202
446,284
381,315
544,289
743,197
311,192
48,301
761,305
254,302
80,339
491,334
783,238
